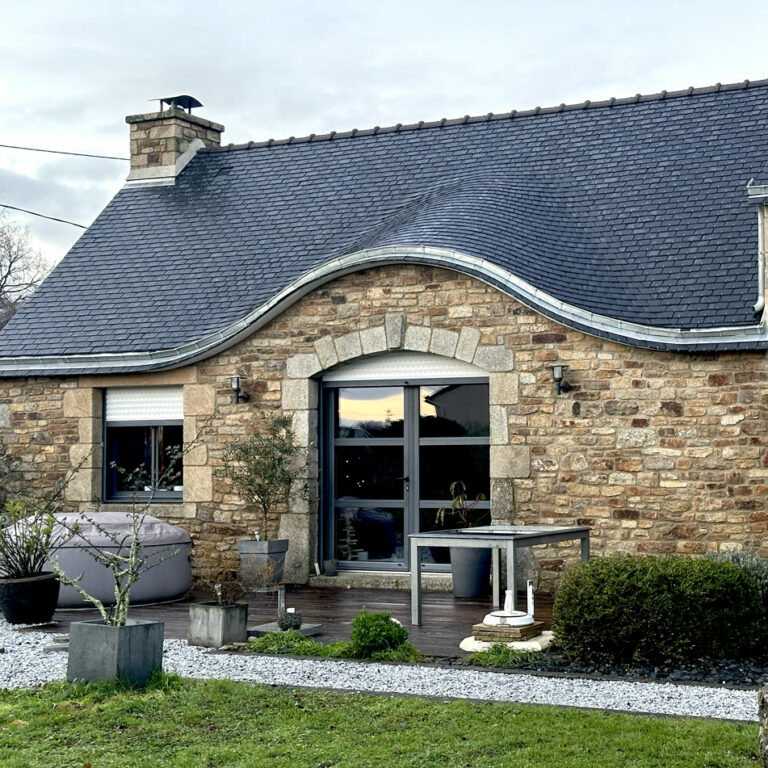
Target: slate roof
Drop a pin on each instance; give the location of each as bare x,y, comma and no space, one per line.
633,210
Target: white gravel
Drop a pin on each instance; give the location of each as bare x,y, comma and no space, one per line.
23,664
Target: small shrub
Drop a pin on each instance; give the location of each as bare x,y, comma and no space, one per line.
502,657
374,633
655,609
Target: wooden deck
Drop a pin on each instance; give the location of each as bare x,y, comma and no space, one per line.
446,620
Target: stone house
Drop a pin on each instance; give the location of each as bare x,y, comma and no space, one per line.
404,293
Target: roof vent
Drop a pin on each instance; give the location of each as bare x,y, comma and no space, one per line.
181,102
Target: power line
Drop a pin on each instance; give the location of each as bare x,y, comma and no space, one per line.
42,215
61,152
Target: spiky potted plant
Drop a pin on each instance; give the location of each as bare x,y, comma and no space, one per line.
28,592
470,567
262,470
222,621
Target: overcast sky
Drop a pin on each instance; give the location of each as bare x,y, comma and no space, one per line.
71,71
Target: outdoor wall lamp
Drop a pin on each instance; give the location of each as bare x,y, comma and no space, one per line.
558,371
240,396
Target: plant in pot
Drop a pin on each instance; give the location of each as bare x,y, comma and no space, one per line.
262,470
470,567
114,647
28,593
222,621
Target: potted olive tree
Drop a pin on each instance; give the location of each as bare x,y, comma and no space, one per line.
470,567
222,621
262,469
114,646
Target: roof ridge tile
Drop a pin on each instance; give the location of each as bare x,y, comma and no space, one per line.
491,116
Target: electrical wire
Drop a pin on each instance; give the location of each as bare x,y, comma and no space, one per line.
61,152
42,215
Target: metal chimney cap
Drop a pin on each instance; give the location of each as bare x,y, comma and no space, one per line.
183,101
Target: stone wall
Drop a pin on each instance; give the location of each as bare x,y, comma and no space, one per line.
658,452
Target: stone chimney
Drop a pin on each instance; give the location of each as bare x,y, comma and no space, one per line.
162,143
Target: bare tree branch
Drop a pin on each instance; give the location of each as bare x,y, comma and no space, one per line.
22,269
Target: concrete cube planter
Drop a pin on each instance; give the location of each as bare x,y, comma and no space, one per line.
212,625
130,653
262,562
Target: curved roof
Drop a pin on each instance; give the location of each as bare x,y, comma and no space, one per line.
628,219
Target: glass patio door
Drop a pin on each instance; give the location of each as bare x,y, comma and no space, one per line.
390,454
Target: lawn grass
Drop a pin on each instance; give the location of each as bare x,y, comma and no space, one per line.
223,724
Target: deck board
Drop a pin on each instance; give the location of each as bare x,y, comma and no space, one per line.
446,620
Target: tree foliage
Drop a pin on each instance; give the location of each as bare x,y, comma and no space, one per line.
262,468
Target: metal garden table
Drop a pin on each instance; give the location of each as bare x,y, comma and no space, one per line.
509,538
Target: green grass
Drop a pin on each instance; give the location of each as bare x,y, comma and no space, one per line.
221,724
294,643
501,656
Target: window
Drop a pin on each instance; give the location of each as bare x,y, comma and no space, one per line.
392,447
143,443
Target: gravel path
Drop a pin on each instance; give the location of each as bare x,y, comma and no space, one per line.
24,664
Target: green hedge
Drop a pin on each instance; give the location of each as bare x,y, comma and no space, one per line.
654,609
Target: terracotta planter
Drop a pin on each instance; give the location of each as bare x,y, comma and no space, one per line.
31,600
262,563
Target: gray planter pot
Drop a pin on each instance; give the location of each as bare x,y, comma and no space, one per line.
471,569
130,653
212,625
262,562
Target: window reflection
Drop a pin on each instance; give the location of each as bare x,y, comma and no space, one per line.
441,465
370,412
369,533
454,410
369,472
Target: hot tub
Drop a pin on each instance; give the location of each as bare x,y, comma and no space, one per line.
165,544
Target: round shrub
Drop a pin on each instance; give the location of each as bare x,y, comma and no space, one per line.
655,609
373,633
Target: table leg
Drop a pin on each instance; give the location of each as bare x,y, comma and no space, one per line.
585,548
511,572
496,576
415,585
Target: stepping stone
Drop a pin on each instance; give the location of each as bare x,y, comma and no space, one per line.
308,630
60,643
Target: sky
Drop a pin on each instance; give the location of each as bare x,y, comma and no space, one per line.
70,72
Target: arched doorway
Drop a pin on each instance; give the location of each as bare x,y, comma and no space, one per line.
397,429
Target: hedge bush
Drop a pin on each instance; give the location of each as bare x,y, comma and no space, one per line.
752,564
655,609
